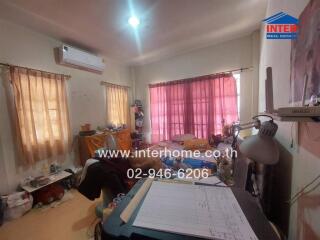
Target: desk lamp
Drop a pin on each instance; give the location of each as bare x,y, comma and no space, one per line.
261,148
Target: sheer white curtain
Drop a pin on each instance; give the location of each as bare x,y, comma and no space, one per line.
117,104
41,113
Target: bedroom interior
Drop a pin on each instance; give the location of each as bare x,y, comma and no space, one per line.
159,119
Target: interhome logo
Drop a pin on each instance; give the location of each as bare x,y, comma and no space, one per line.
281,26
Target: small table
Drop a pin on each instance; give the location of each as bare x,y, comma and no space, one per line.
53,178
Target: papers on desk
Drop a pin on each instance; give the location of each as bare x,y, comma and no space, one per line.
211,180
200,211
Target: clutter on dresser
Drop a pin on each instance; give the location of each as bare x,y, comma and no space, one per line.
85,130
86,127
89,144
114,128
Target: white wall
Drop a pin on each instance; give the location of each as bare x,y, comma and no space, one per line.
242,52
21,46
276,53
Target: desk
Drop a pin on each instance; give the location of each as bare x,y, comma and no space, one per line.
113,228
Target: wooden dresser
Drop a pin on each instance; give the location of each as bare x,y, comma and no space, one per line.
88,144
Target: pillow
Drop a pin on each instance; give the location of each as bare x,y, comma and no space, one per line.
197,144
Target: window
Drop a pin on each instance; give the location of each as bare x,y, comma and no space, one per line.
200,106
117,104
42,113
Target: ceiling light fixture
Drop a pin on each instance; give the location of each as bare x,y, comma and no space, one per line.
134,21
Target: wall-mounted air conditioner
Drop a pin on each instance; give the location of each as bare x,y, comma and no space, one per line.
74,57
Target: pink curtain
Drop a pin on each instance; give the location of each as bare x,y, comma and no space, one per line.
201,106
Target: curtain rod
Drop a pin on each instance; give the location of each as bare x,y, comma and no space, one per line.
113,84
33,69
212,74
234,70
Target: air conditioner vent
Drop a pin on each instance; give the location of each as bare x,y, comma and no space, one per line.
74,57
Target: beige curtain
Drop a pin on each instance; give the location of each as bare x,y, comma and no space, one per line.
41,111
117,104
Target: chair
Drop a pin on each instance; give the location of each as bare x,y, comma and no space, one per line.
107,196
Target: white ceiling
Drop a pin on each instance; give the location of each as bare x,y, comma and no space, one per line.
168,27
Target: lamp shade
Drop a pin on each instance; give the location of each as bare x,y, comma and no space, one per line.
262,148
